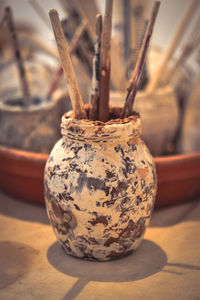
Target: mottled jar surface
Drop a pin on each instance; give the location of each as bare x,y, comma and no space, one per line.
100,187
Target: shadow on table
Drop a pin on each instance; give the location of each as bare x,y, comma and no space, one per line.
169,216
16,260
20,210
147,260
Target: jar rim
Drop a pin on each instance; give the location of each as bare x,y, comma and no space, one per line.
115,128
15,109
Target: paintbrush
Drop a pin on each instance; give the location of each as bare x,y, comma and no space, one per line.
105,63
96,71
72,47
168,54
74,92
18,57
135,78
190,46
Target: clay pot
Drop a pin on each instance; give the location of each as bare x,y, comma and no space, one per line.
38,76
31,126
35,128
158,125
100,187
21,174
181,80
190,141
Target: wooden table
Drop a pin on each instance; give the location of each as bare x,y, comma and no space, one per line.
33,265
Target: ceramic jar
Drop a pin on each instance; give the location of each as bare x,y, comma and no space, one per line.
35,129
158,125
100,186
190,137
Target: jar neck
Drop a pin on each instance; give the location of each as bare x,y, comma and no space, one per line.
113,131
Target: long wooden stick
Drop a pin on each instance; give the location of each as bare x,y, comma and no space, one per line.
18,57
189,47
74,92
96,71
158,76
54,83
105,63
135,78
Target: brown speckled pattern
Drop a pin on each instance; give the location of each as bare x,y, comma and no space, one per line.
100,186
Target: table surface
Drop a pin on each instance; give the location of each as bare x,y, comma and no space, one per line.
34,266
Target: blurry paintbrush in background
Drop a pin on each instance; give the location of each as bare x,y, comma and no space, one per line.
105,63
94,111
18,56
135,78
157,78
190,46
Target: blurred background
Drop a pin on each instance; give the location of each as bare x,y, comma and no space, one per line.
168,18
168,98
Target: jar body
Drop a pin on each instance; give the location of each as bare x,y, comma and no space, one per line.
100,194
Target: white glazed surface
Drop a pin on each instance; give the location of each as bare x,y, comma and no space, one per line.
100,194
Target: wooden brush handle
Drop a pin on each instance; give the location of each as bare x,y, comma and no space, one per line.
72,47
161,71
105,63
19,58
135,78
74,92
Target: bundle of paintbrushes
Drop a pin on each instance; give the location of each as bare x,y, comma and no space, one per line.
164,89
99,109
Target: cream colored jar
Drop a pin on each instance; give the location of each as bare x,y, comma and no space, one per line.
100,187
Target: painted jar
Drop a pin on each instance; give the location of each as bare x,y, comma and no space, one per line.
100,186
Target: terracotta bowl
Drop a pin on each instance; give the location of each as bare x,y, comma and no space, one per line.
21,175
